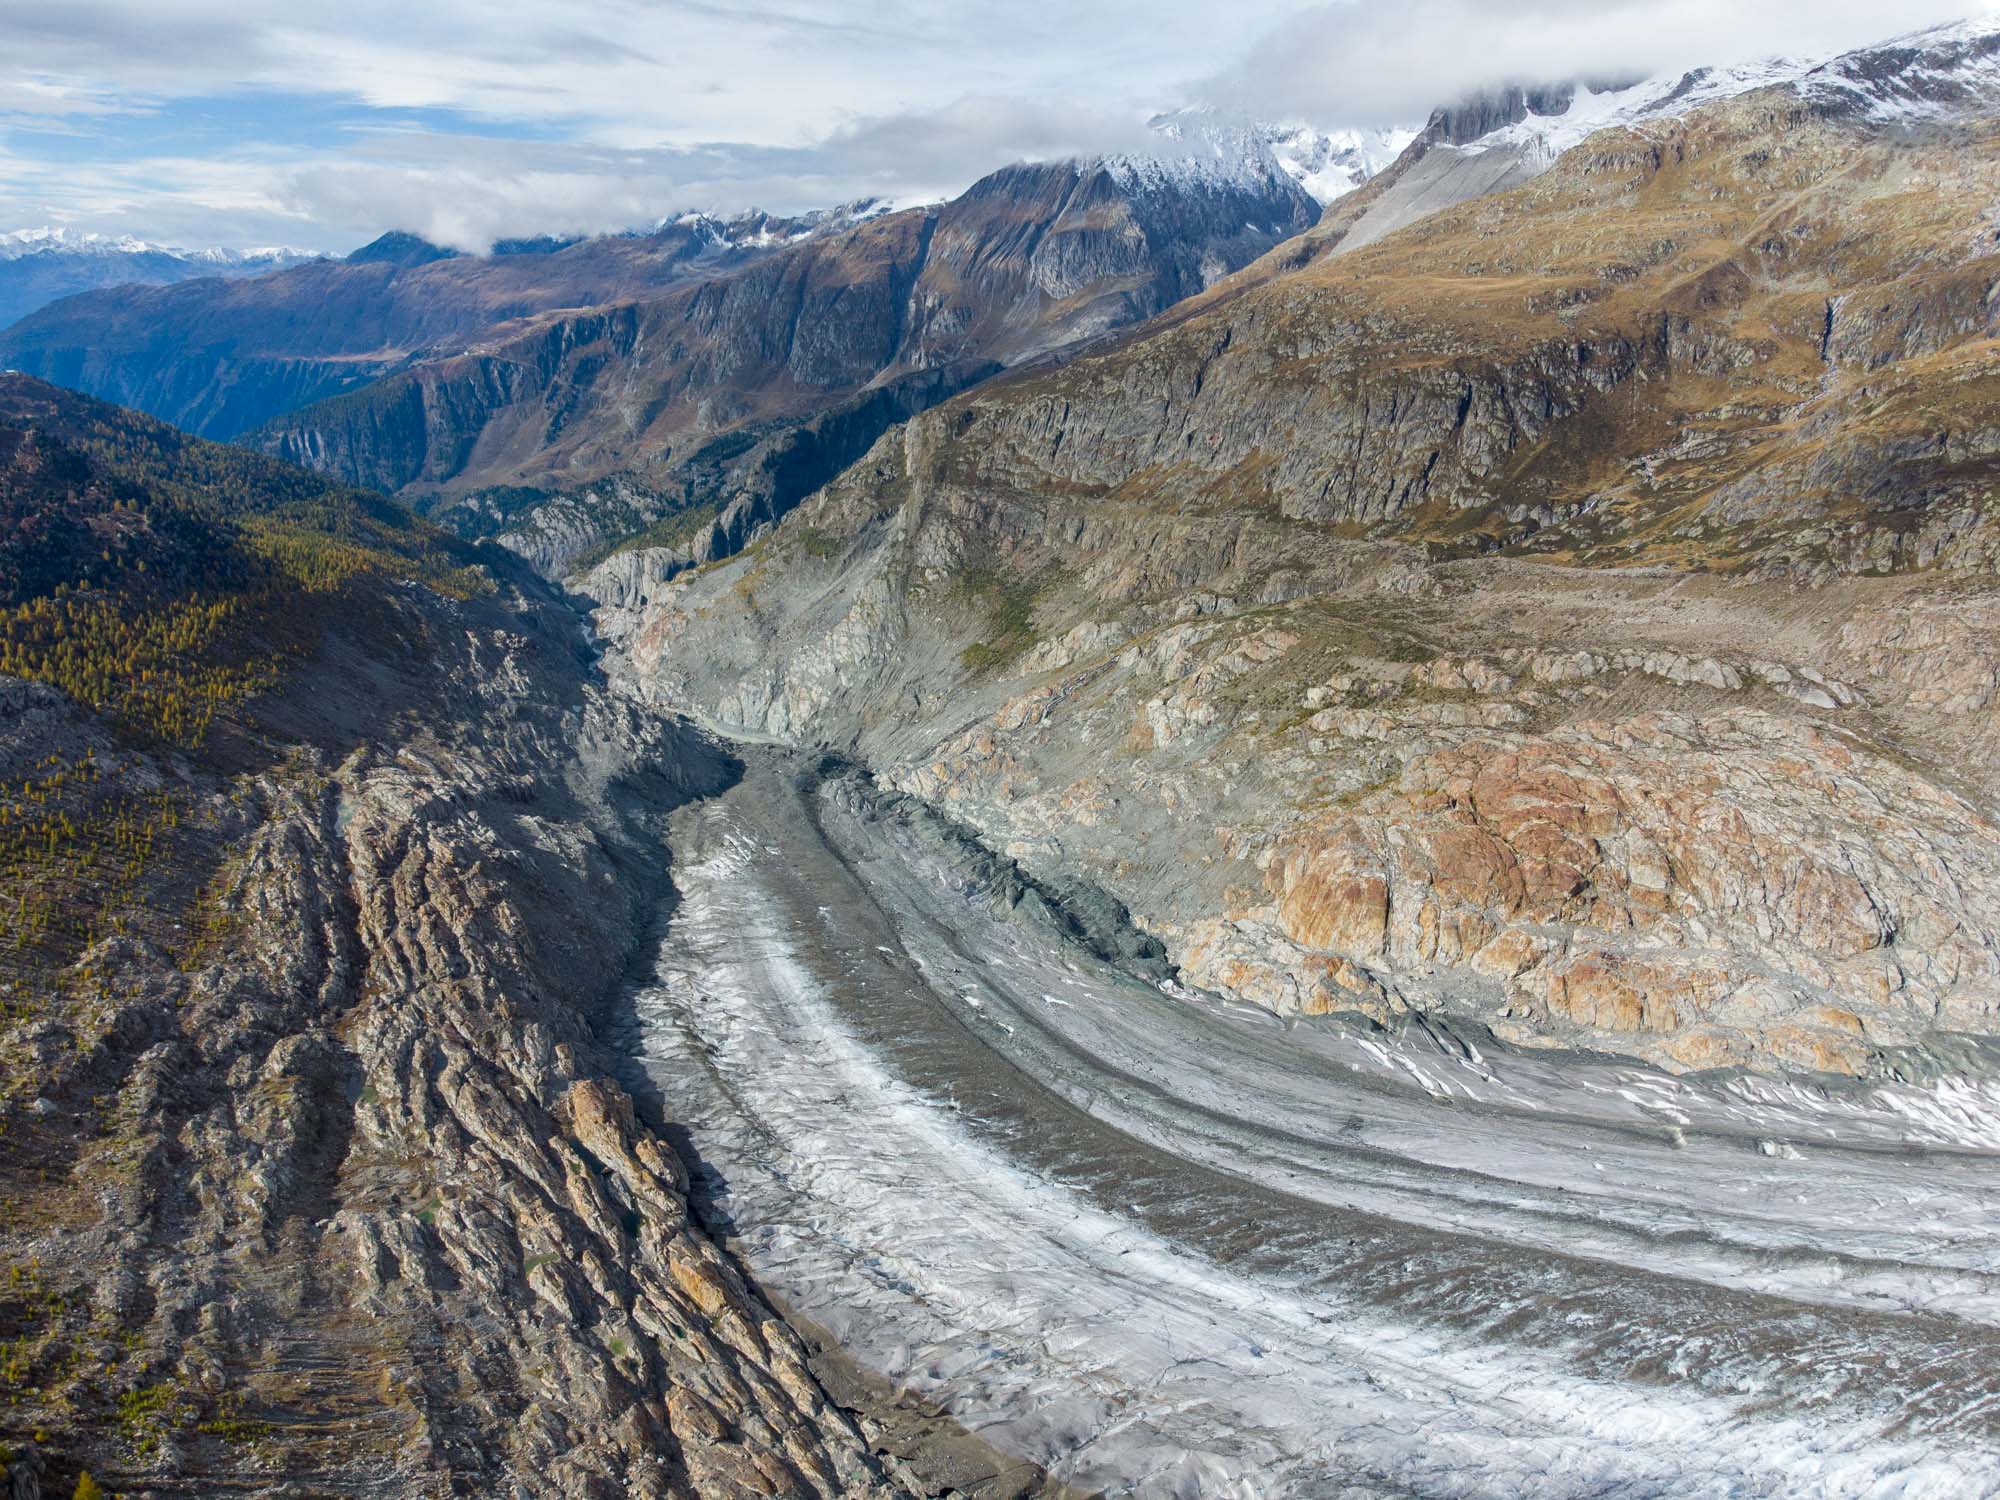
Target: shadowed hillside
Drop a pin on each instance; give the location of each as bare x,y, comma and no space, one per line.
322,858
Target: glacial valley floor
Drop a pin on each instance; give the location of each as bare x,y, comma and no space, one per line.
1166,1247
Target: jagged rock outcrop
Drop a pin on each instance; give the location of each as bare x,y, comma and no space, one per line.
1463,122
325,855
371,1204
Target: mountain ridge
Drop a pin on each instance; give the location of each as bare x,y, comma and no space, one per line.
344,950
834,334
1265,844
1496,618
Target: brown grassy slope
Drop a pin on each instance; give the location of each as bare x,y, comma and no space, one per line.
1748,295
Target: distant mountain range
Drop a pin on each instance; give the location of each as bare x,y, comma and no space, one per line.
369,328
43,265
731,364
562,393
40,266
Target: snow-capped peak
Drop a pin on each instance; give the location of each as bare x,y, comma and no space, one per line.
757,229
1205,145
253,255
1330,164
60,239
1924,75
19,242
1921,75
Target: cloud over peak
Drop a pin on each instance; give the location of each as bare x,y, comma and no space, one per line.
252,121
1369,62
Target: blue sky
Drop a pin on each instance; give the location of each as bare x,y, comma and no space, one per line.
247,122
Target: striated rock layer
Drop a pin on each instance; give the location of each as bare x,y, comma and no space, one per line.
337,1193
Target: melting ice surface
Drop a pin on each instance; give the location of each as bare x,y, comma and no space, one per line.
1172,1248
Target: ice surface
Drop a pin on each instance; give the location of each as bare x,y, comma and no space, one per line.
1171,1247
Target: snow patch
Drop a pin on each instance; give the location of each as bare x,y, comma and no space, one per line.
1203,147
1923,76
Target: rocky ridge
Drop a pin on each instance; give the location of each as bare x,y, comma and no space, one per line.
1506,136
743,392
220,357
320,1179
419,1234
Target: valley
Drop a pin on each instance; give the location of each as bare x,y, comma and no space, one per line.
1448,628
1270,812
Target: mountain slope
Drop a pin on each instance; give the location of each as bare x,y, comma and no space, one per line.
319,884
1508,136
755,386
1572,613
160,579
218,357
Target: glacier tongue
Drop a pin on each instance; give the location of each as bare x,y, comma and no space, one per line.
1167,1249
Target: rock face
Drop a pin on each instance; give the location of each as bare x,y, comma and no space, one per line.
373,1198
1709,880
715,497
1467,121
1572,613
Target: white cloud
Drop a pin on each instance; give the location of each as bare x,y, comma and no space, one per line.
651,72
1368,62
637,108
469,191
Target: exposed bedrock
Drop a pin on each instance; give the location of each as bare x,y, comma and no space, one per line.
368,1188
1576,610
1377,785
